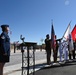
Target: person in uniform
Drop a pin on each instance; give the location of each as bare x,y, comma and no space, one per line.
71,47
72,53
60,50
65,50
48,48
74,49
4,47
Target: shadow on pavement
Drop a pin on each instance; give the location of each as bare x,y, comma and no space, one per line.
45,66
68,63
68,68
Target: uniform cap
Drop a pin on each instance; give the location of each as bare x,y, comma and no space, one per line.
3,26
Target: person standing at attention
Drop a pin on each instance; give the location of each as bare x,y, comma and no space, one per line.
48,48
4,47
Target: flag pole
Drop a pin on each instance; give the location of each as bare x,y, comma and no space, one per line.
66,29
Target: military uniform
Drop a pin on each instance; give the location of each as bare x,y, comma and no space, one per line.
73,51
60,50
4,47
48,49
65,50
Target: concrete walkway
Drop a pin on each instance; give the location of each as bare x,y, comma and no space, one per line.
16,69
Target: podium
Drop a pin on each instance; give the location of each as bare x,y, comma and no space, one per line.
28,57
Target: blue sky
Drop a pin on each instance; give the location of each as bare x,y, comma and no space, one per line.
32,18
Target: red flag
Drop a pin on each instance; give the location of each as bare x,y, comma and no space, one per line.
73,33
53,38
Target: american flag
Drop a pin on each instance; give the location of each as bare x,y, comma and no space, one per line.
53,38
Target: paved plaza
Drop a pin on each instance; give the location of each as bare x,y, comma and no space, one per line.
41,68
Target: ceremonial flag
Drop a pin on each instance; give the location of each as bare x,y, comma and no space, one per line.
68,37
53,38
67,32
73,33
